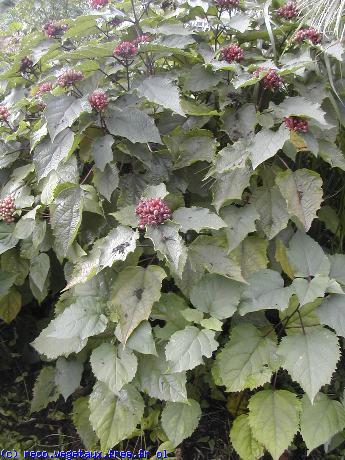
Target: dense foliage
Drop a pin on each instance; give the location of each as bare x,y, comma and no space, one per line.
172,201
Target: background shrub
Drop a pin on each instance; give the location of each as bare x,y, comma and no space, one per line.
171,240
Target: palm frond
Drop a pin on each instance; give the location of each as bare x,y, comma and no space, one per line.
325,15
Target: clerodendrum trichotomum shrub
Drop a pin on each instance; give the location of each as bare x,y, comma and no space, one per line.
172,185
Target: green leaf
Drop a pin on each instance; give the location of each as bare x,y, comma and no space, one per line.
302,191
241,437
6,281
86,268
186,348
229,186
308,291
107,181
300,107
65,173
321,421
117,245
239,123
48,155
294,318
332,313
192,315
240,22
114,418
11,262
141,339
330,153
66,217
24,228
155,379
169,243
169,309
216,295
10,305
240,222
39,270
235,155
198,110
179,420
82,26
7,240
195,218
155,191
114,366
212,323
245,360
306,257
114,247
45,390
266,144
310,358
62,111
68,332
200,78
67,376
338,268
272,209
207,255
161,91
126,216
102,151
132,124
196,145
265,291
251,255
134,292
80,417
273,418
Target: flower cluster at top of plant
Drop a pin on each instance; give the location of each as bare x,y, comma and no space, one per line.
152,211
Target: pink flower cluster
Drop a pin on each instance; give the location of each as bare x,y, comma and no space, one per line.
271,80
297,124
4,113
54,29
227,3
115,22
69,77
44,88
98,100
7,208
142,39
309,34
26,64
152,211
98,4
125,50
288,11
232,53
